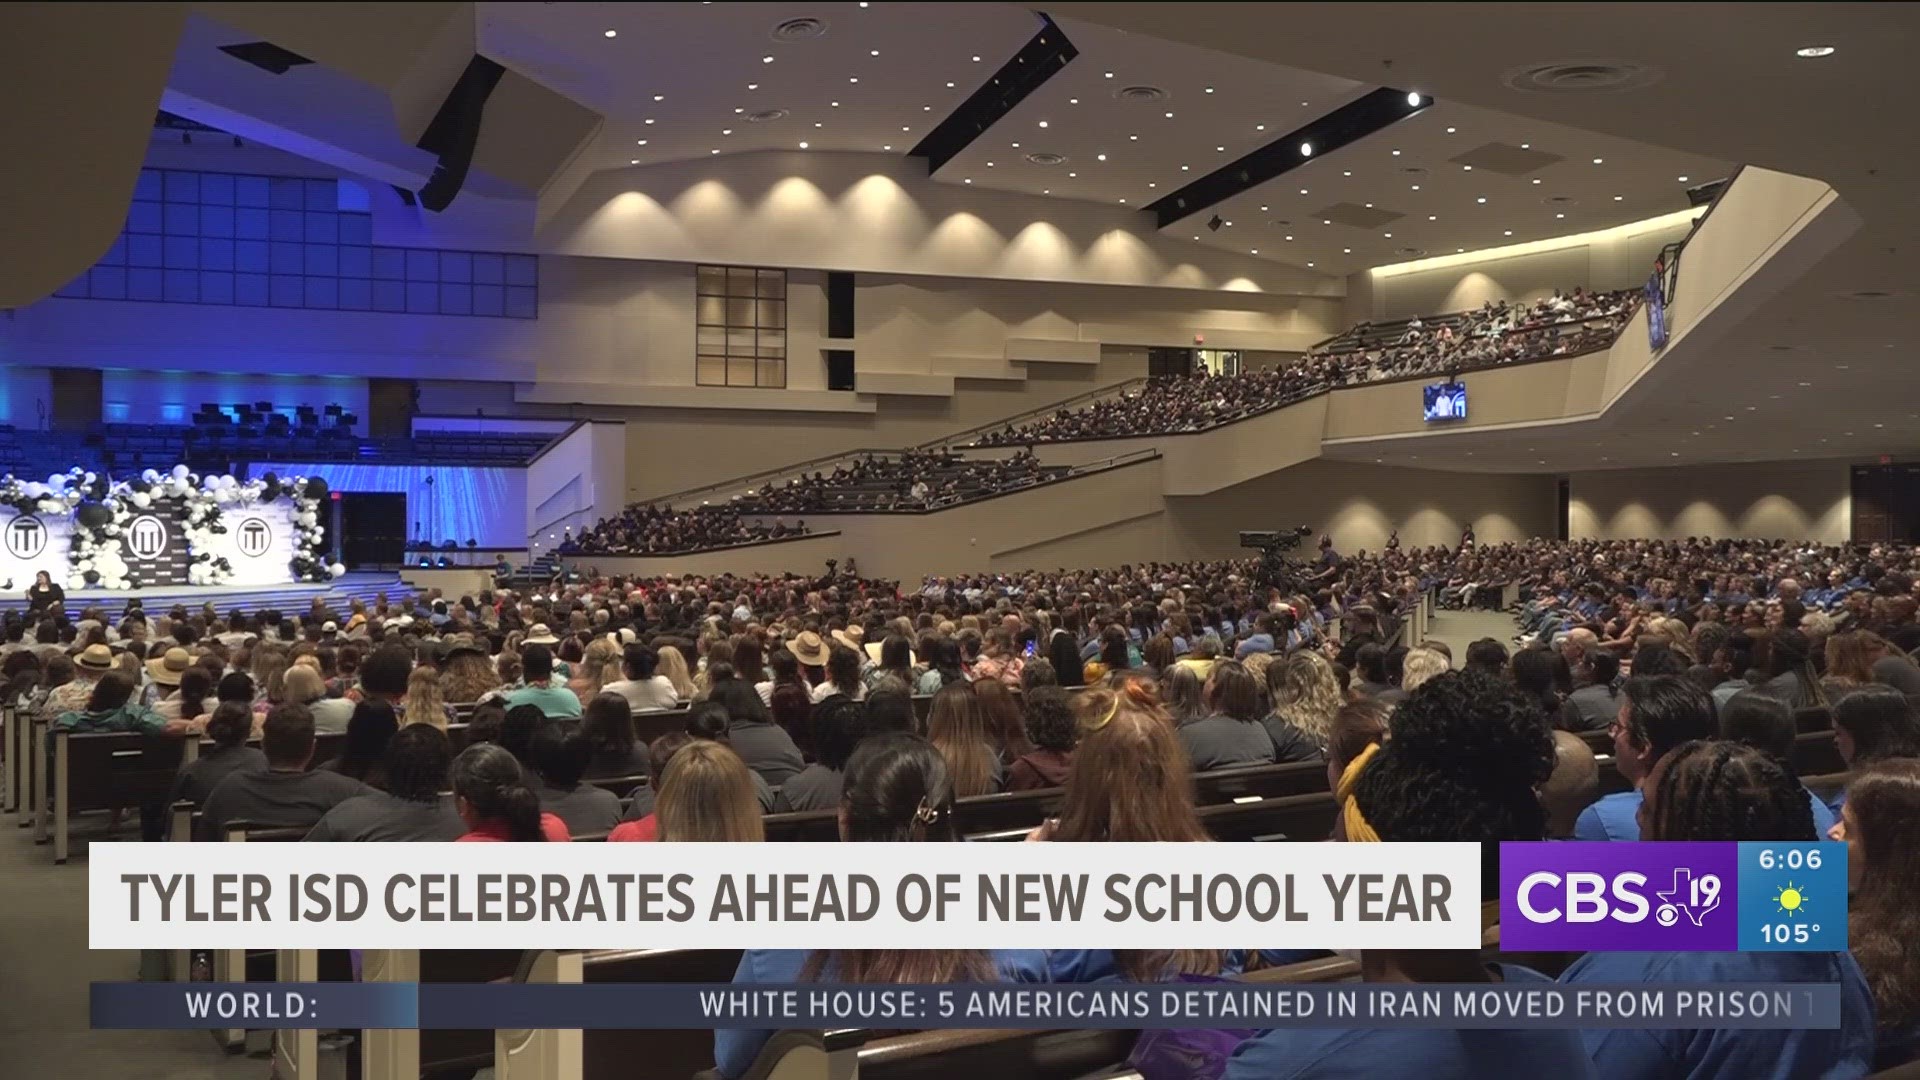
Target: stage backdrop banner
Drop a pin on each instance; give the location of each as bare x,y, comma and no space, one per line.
154,544
259,543
30,543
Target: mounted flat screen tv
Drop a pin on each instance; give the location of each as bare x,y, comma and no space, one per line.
1446,401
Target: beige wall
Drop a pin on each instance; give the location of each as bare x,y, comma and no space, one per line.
1770,500
1615,258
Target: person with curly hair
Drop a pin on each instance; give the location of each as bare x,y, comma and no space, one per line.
1724,791
1461,760
1657,713
1306,697
1054,731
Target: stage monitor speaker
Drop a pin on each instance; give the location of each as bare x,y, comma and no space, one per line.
839,369
373,528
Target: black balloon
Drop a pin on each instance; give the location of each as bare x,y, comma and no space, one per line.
94,515
270,487
316,488
92,577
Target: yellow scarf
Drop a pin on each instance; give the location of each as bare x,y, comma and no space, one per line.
1354,824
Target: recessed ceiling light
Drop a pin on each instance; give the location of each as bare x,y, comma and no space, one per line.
613,33
1433,217
1348,172
1184,168
1326,221
726,131
949,86
1466,168
1369,206
873,52
989,164
1559,216
1481,199
863,3
853,78
1814,52
1598,161
1459,251
1259,127
926,108
817,123
803,146
713,151
659,97
1109,74
1100,157
1413,99
835,104
976,59
1416,187
737,109
1133,138
1536,179
640,142
968,180
1682,179
1348,251
756,86
1802,384
1016,146
1396,153
1123,202
649,120
766,59
1043,123
1509,232
1227,223
1526,146
1389,235
903,127
1617,198
888,147
1219,149
1449,131
1309,264
1073,101
635,161
1303,191
1256,251
1151,184
1169,116
1071,175
1289,239
1306,148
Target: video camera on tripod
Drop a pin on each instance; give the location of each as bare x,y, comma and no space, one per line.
1275,570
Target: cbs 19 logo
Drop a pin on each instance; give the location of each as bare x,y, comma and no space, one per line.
1582,896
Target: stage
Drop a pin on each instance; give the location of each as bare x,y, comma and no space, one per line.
289,599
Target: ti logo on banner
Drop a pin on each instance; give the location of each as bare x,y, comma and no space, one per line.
254,537
1696,897
26,537
147,537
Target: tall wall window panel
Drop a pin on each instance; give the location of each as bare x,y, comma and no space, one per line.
291,242
741,331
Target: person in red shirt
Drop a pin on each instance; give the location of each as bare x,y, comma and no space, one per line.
646,828
494,800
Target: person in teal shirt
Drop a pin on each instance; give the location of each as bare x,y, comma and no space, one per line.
112,707
1462,756
536,666
1728,791
1656,715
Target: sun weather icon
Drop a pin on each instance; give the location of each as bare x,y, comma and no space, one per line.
1790,900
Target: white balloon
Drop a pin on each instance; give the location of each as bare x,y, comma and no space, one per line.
51,506
76,582
336,570
180,472
89,478
57,482
33,489
142,500
150,476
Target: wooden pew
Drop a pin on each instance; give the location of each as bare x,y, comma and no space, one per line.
650,724
1288,817
1815,754
798,825
622,786
1816,718
105,771
1259,781
566,1055
16,752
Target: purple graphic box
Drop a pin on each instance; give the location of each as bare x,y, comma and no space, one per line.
1619,897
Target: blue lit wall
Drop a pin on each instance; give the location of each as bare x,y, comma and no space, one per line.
462,503
290,242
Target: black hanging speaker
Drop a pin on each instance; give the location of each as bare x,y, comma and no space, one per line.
839,369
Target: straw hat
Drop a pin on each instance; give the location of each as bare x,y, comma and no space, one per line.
539,634
809,649
853,637
98,658
166,670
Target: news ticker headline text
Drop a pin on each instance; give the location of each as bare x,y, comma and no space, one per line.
331,1006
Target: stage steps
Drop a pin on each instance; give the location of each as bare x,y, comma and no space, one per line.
290,599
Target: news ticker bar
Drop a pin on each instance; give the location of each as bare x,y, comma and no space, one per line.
332,1006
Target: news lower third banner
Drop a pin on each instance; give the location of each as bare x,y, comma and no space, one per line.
606,1006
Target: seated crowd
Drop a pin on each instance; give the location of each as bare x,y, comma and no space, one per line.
912,480
1117,687
651,529
1494,335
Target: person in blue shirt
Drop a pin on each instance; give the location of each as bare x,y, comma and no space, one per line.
1461,760
1657,713
1729,792
895,788
536,663
1764,722
1881,827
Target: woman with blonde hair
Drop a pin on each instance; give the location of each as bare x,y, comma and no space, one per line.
270,675
303,685
591,674
673,665
956,728
707,794
423,704
718,650
1420,665
1305,698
